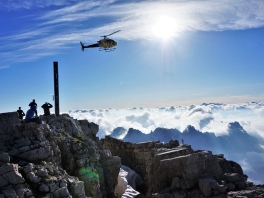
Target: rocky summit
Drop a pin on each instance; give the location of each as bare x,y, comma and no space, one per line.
62,157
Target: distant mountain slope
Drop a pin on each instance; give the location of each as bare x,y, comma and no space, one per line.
117,132
238,140
164,135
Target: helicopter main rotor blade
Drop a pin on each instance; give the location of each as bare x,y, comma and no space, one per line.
111,33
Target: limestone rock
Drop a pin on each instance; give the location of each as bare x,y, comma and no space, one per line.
39,158
210,186
44,188
13,177
42,172
9,118
4,157
177,171
61,192
3,182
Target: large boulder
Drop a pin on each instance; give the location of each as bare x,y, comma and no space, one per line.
189,168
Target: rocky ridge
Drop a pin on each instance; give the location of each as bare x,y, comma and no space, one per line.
59,158
171,170
62,157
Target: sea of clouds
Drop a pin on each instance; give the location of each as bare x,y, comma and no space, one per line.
207,117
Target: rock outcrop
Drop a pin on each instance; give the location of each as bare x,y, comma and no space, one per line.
62,157
177,171
59,158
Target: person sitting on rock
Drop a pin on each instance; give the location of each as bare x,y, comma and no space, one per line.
21,113
46,108
33,103
30,115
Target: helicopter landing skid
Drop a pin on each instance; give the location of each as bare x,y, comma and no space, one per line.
106,49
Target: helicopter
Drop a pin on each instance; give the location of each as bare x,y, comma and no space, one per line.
104,44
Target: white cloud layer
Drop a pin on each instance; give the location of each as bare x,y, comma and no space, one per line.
29,4
210,117
73,21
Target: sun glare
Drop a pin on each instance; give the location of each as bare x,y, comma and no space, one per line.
164,27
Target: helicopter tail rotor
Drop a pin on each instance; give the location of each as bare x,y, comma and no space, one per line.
82,46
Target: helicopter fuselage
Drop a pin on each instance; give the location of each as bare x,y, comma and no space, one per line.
104,44
107,43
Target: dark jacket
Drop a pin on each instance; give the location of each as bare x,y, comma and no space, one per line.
46,108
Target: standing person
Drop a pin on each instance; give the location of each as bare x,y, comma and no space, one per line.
46,108
33,103
21,114
30,115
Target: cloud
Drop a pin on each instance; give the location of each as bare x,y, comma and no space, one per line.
29,4
252,164
79,12
144,119
201,110
4,67
72,21
206,118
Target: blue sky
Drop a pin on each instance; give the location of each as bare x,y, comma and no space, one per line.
169,53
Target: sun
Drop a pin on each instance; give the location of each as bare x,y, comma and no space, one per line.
164,27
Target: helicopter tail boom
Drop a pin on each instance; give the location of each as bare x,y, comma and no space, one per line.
89,46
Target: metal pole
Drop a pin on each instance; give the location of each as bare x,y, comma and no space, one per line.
56,88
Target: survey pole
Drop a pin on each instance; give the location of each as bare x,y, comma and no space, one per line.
56,88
